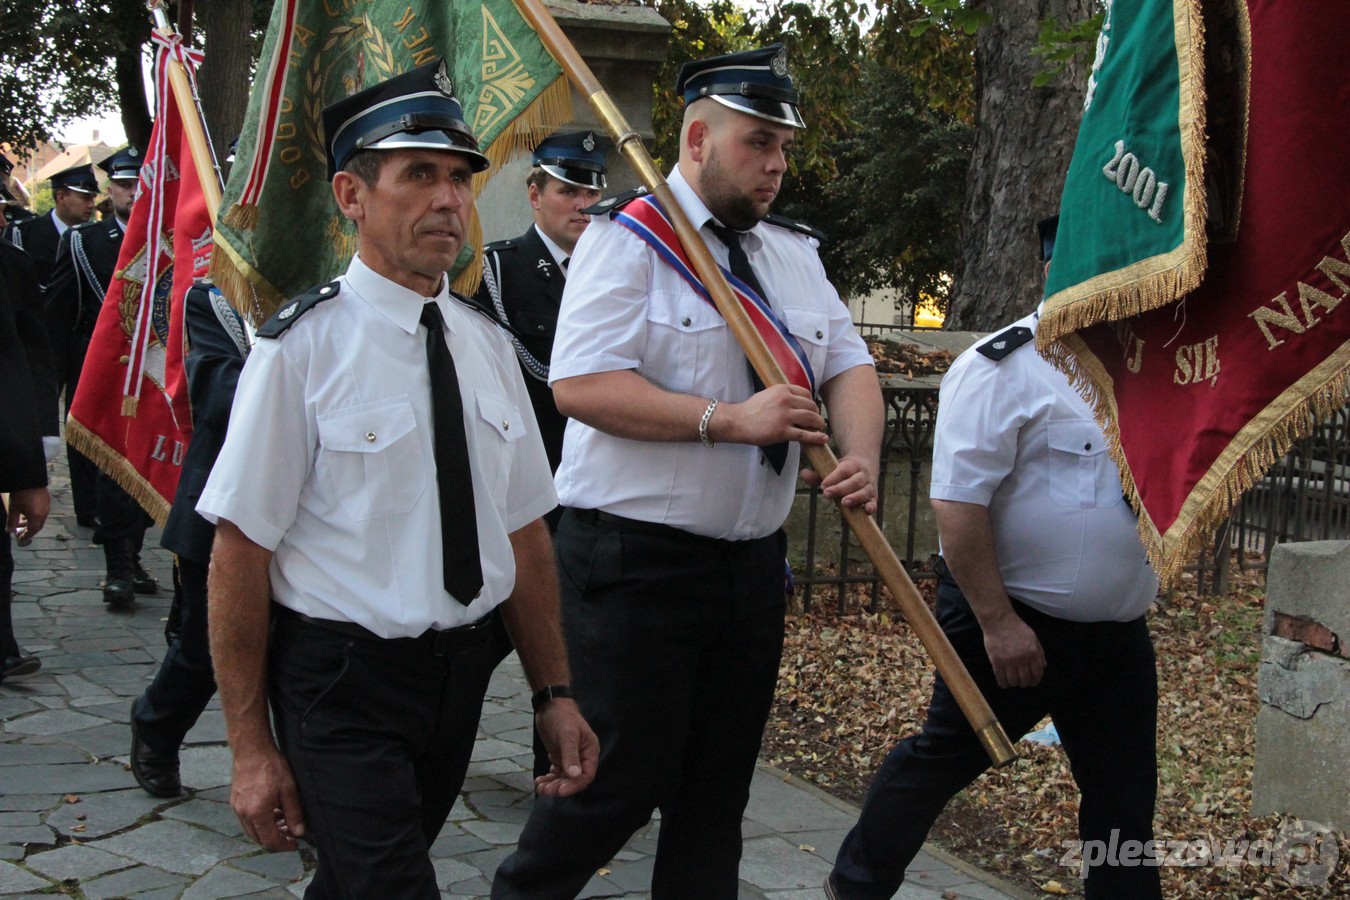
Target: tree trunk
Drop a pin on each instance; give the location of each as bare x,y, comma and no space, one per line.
223,80
136,118
1024,138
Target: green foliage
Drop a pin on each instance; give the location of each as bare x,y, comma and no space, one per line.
950,13
1058,45
61,60
40,197
880,166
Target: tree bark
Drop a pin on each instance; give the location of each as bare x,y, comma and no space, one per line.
136,118
1024,138
224,78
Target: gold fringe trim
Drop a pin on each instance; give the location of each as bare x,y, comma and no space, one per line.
251,295
1167,277
467,281
116,467
553,107
1261,443
243,216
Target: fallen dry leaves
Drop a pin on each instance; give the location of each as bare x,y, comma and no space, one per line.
897,358
853,684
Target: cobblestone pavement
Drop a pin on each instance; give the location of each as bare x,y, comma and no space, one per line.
73,821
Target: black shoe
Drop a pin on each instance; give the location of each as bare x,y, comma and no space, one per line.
142,582
831,891
18,666
87,520
118,592
157,773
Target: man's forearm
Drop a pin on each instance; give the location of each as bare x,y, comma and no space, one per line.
239,601
968,549
857,414
531,612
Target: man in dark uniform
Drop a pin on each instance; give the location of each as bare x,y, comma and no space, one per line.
523,277
82,271
28,411
218,343
74,191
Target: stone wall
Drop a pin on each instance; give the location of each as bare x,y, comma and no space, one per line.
1303,726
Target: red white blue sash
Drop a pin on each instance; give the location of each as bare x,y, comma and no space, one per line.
645,218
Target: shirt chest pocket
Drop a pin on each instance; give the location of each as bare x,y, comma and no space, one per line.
500,428
371,458
1081,472
686,347
811,328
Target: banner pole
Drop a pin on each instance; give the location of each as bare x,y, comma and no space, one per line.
191,117
821,458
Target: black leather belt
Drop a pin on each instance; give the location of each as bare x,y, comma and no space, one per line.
443,641
623,523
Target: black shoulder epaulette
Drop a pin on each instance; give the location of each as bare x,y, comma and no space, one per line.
483,305
611,205
493,247
1006,341
793,225
286,316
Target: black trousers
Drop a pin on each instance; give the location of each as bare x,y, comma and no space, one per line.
1101,687
120,516
674,642
378,734
9,646
185,682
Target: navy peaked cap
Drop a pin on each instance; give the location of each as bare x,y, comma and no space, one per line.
125,163
415,109
76,178
755,82
577,157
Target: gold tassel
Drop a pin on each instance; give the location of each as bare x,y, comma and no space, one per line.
243,216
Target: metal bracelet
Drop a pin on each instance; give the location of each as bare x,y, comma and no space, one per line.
703,424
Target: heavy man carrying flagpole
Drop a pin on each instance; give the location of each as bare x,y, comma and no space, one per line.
678,471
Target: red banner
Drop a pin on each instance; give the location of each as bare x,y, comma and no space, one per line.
1201,396
130,413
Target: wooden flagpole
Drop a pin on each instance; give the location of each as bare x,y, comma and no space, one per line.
821,458
190,115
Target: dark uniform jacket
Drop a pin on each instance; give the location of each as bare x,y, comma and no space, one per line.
217,347
531,288
27,381
38,238
84,266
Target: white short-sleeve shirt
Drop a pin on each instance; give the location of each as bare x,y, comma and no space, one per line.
625,308
1014,436
329,460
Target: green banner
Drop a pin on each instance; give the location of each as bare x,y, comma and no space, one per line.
279,231
1132,217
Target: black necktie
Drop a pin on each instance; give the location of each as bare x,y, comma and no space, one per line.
776,454
565,262
461,567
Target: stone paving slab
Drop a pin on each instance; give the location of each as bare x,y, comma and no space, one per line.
72,816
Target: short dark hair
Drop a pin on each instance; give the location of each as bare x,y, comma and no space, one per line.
538,177
366,165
